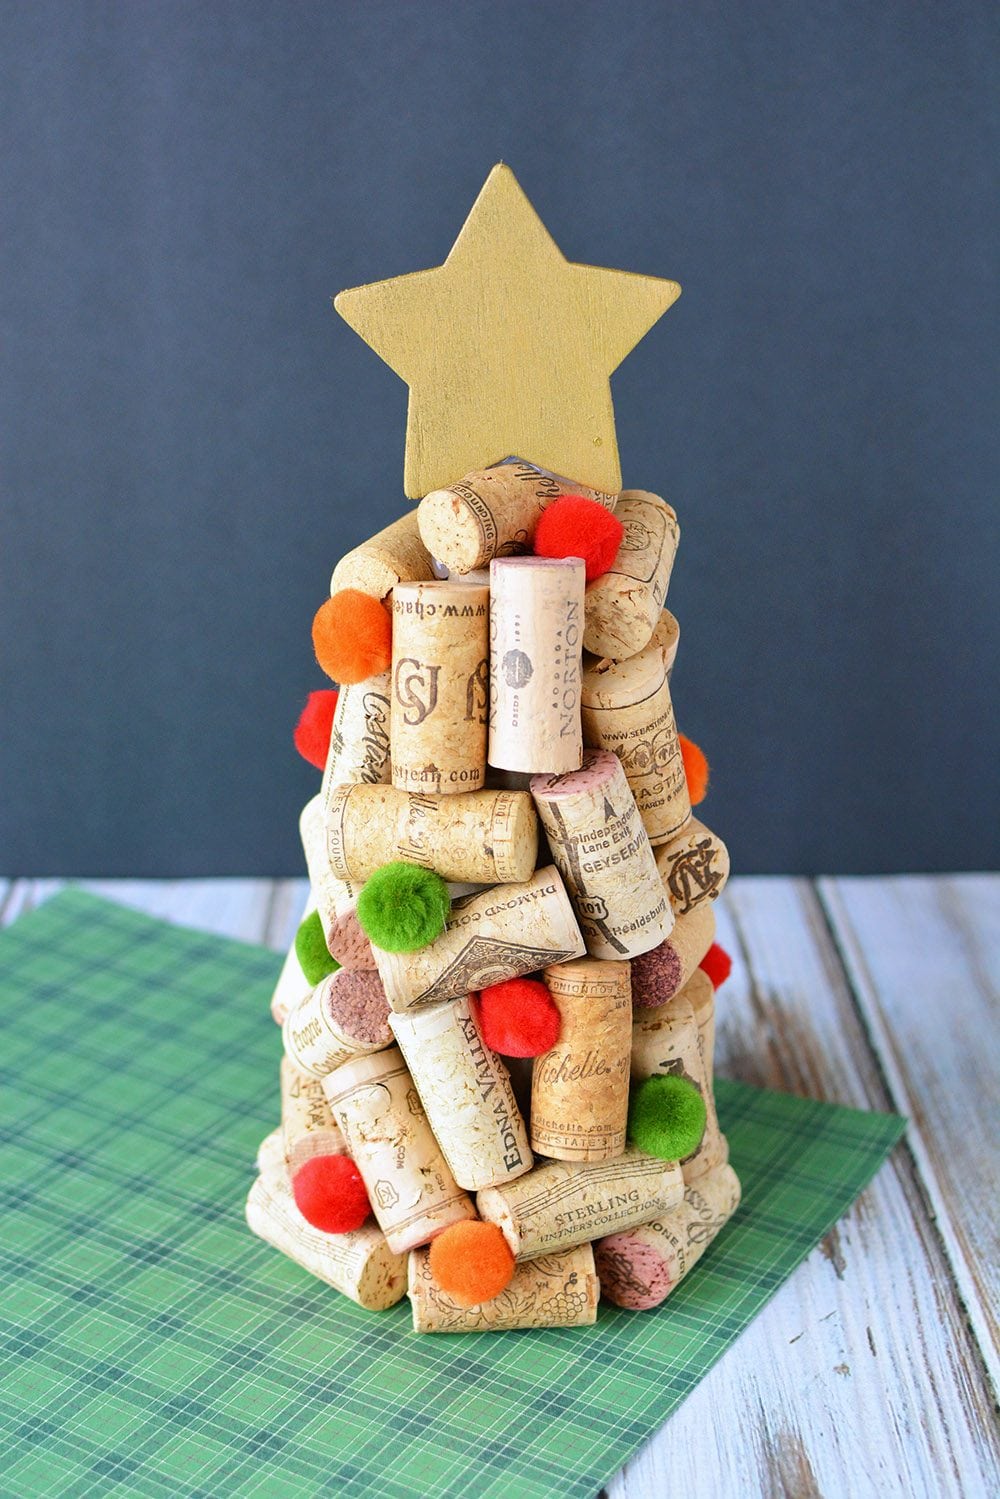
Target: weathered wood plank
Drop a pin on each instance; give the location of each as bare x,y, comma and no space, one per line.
860,1377
923,954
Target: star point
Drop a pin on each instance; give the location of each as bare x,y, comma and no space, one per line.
507,347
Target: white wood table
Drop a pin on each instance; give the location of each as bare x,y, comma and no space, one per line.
873,1370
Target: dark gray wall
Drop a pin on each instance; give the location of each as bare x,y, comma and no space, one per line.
191,437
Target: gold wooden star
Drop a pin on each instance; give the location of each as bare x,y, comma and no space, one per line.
508,347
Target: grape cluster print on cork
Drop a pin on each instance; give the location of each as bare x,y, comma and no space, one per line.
499,1011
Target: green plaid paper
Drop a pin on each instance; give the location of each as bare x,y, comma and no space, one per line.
154,1347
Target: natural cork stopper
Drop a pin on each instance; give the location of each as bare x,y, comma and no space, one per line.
466,1091
440,686
271,1155
694,867
491,513
626,708
623,606
579,1094
479,837
345,1016
496,934
667,1042
336,899
360,1264
308,1128
556,1290
392,556
413,1194
292,986
536,622
659,974
640,1268
603,852
359,740
558,1205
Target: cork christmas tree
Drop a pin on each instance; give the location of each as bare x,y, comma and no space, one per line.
498,1013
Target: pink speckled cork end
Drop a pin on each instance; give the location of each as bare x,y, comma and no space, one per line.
656,976
632,1273
597,770
358,1005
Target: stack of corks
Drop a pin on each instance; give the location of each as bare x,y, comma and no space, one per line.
499,1010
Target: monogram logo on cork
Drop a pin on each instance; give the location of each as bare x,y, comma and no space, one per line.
693,876
636,537
415,684
517,669
385,1194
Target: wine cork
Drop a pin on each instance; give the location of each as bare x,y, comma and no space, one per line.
345,1016
623,606
359,1264
556,1290
336,899
660,973
467,1093
413,1194
626,708
603,852
271,1154
694,867
498,934
440,686
482,837
393,555
292,985
558,1205
492,513
579,1093
667,1042
700,990
359,740
667,635
536,617
640,1268
308,1128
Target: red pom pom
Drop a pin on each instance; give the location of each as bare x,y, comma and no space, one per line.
352,636
518,1018
312,732
717,964
695,768
576,527
330,1194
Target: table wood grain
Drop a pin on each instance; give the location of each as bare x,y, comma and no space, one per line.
874,1369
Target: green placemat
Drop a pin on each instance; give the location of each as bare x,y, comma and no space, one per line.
153,1347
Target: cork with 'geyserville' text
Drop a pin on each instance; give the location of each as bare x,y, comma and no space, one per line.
360,1264
623,606
536,615
412,1192
440,686
393,555
560,1204
491,513
495,934
466,1091
603,852
640,1268
478,837
555,1290
579,1093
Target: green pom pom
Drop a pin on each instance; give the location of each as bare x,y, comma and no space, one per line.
403,907
666,1117
311,950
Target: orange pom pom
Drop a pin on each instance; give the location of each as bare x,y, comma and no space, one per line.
352,636
315,725
695,768
472,1261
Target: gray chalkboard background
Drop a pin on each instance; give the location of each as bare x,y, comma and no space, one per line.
191,436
